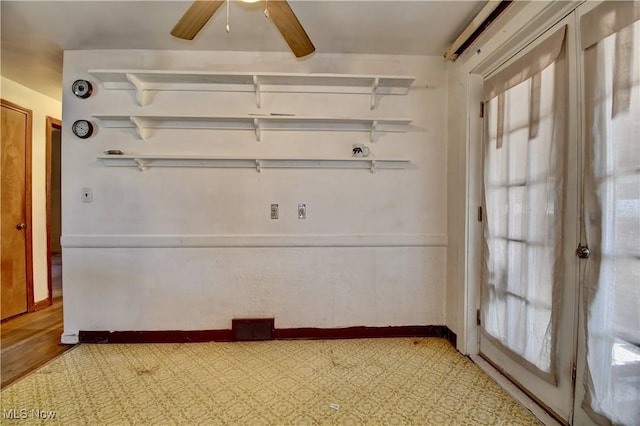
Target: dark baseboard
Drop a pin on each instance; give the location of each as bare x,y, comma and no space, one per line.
451,337
359,332
186,336
169,336
44,303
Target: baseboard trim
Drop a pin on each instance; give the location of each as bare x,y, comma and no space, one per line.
69,339
165,336
360,332
451,337
44,303
186,336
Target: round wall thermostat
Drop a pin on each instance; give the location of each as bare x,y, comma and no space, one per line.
82,129
82,88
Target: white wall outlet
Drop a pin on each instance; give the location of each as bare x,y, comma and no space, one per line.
87,195
274,211
302,211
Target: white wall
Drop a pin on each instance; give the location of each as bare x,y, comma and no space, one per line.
192,248
41,106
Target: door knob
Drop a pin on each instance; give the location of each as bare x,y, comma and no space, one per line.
583,252
21,226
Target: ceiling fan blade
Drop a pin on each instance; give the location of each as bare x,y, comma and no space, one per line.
195,18
287,23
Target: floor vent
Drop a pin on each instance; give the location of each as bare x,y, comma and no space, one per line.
253,329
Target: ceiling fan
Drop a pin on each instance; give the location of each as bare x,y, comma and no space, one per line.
278,10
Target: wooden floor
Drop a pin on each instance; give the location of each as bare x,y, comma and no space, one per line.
29,341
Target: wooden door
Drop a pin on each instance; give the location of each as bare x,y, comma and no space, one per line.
15,205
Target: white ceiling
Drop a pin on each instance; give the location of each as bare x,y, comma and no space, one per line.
34,33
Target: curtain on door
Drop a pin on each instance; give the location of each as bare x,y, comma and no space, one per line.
524,169
611,41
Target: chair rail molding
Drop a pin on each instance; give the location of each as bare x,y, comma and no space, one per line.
265,240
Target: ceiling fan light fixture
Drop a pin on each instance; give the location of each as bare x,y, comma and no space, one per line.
278,11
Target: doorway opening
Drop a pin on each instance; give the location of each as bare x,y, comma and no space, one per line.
54,209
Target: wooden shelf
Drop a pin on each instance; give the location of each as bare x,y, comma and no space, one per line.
143,162
143,81
257,123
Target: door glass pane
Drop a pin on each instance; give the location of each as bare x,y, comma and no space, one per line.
613,227
523,184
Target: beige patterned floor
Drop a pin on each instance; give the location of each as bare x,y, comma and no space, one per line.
419,381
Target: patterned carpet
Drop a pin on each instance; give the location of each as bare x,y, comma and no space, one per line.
417,381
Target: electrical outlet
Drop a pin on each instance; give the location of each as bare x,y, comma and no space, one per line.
87,195
302,211
274,211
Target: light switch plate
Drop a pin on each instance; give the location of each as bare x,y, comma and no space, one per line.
302,211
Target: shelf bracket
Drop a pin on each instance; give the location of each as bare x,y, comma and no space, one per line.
374,91
141,92
142,166
256,125
256,88
143,132
374,126
258,166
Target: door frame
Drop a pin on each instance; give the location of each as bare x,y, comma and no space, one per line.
31,306
51,124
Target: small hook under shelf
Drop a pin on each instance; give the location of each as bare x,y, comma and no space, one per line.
256,124
256,88
142,166
374,91
374,125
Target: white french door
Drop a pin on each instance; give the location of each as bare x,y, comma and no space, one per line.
562,173
608,381
529,284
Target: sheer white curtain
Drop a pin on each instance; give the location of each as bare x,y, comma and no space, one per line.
523,198
611,41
